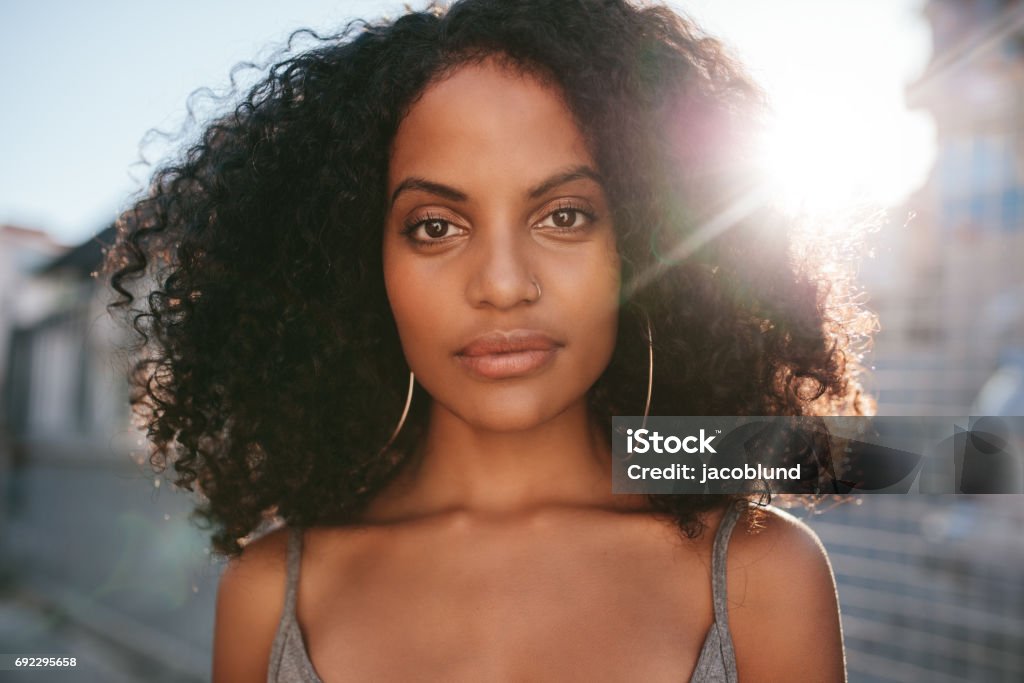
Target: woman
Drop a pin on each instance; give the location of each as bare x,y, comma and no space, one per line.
503,208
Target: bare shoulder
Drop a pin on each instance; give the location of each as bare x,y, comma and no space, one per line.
776,548
250,600
783,608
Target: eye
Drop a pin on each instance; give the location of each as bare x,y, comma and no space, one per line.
564,218
567,218
435,228
432,229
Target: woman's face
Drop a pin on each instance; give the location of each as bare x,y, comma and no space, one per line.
499,253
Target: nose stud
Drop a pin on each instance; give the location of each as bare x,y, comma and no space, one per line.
535,284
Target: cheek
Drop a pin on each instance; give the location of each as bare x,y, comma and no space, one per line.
608,300
401,284
421,301
406,306
592,290
604,271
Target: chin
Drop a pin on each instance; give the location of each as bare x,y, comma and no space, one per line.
508,411
505,418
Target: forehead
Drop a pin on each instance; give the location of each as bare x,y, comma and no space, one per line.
487,121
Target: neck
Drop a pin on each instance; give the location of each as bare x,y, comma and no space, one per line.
461,467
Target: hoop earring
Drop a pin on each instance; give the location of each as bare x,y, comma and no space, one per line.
405,413
650,370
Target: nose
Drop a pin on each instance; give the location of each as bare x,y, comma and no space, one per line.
502,276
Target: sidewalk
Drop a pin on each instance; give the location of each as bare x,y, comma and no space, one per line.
32,628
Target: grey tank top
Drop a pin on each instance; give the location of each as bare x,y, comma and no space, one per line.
289,661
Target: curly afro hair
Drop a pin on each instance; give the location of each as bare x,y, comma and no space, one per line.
269,372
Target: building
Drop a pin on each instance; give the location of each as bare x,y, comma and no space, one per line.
930,586
87,528
950,293
22,250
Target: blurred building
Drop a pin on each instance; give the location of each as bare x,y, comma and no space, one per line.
22,250
59,377
932,587
86,528
950,293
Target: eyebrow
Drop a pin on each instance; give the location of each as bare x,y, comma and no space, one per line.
576,173
452,194
425,185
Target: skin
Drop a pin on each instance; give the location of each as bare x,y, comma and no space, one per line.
499,553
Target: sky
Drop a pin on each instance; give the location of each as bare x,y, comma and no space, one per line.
84,82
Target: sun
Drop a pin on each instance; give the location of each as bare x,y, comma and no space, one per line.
810,164
823,157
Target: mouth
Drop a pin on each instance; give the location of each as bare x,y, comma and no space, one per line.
504,355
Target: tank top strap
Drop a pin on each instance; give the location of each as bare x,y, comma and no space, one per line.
284,649
294,560
719,554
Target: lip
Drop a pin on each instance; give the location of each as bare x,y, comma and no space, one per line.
504,355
